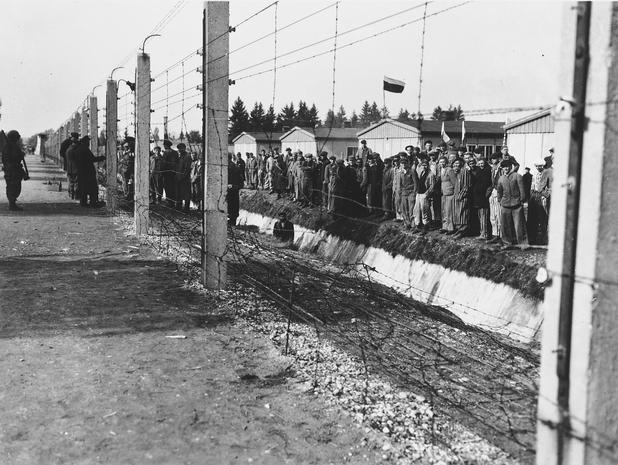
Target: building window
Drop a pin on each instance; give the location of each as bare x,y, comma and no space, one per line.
351,151
487,149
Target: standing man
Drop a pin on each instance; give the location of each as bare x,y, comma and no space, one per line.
233,189
251,171
170,159
64,146
87,184
424,194
387,189
156,175
363,151
196,179
461,208
494,205
71,164
511,196
14,167
481,189
538,204
409,188
183,179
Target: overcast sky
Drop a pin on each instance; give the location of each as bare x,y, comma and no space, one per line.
480,55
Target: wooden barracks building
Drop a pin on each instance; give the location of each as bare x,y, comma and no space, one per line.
389,136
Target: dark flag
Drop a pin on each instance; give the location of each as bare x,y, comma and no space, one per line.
393,85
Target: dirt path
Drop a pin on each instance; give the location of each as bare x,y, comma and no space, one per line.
90,374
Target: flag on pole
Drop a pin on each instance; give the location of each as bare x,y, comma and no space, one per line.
444,135
393,85
463,131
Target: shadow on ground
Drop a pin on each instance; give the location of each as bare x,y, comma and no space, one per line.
47,209
105,297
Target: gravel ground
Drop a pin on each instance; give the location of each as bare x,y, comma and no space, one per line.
422,401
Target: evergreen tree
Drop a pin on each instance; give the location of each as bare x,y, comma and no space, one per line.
365,114
287,117
239,118
303,118
330,122
256,117
269,120
314,119
375,113
404,115
194,137
182,135
453,113
340,118
384,112
354,121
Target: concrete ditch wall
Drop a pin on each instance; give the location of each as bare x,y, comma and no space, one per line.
476,301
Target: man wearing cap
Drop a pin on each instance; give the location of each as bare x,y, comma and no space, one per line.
409,188
494,205
87,184
183,178
507,156
363,151
170,159
424,194
511,196
538,204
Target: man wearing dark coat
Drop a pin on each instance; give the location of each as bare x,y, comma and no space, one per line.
71,159
387,189
284,229
481,187
64,146
14,167
170,158
234,179
87,185
183,178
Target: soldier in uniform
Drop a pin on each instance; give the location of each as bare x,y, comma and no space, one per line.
183,178
14,167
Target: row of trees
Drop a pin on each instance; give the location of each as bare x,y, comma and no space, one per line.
261,120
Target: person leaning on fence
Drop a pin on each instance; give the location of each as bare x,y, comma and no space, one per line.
511,196
283,229
13,165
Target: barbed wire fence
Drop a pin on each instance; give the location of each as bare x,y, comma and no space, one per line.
469,375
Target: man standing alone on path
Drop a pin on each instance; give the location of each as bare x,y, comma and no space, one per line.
14,168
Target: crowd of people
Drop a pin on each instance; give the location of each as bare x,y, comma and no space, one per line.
443,188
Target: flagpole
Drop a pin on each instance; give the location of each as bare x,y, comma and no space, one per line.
383,101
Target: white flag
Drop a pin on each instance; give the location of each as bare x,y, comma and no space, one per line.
445,136
463,131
